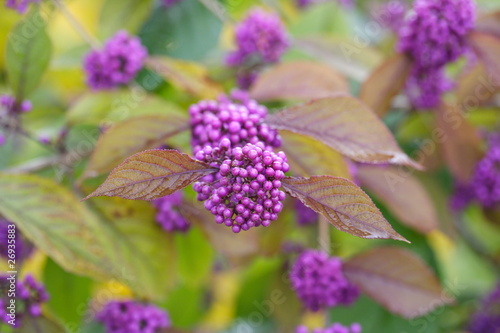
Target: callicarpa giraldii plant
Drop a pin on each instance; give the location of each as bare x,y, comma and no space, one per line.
209,208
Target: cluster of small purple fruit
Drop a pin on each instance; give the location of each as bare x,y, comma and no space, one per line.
240,123
116,64
260,39
319,281
335,328
487,319
10,107
19,5
433,36
29,296
133,317
485,184
22,249
167,214
305,215
245,192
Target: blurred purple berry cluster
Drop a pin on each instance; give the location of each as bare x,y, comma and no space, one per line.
305,215
116,64
133,317
167,214
244,193
23,248
319,281
240,123
391,14
20,5
30,295
335,328
487,318
433,36
484,186
9,105
260,39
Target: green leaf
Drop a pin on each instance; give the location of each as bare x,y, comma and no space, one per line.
39,325
298,80
398,280
310,157
109,107
123,243
343,204
185,305
123,14
69,293
345,124
152,174
132,136
187,30
55,221
28,54
195,256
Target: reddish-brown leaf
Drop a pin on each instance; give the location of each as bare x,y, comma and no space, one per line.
398,280
131,136
461,143
309,157
298,80
152,174
476,86
345,124
403,194
487,48
343,204
385,83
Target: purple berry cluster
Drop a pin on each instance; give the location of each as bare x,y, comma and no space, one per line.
463,195
30,295
391,14
213,121
260,39
305,215
245,192
167,214
487,318
19,5
425,88
116,64
23,248
9,106
133,317
319,281
486,178
335,328
433,36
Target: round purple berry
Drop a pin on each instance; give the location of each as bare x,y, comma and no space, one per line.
168,215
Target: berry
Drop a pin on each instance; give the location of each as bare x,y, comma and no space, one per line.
240,195
133,317
486,178
116,64
167,214
433,36
463,195
237,118
260,39
487,318
19,5
335,328
319,281
23,248
10,106
305,215
30,295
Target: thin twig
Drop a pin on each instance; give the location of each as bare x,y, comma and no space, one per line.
93,42
324,235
